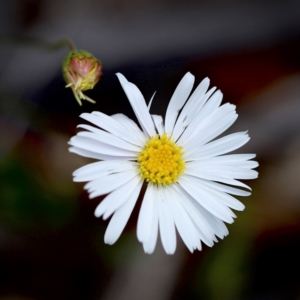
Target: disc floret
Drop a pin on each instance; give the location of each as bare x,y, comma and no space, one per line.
160,162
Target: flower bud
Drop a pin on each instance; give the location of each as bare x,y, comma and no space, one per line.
81,71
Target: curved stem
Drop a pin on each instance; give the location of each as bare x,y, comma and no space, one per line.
25,41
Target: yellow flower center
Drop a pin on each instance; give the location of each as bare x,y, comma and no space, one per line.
161,161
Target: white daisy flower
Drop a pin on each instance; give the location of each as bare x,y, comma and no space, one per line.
188,176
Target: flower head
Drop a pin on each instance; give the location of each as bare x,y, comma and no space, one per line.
188,175
81,72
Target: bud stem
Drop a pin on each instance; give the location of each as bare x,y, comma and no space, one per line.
26,41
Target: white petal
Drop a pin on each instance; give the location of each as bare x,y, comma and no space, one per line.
216,129
211,105
86,143
166,222
107,138
193,105
205,198
221,161
120,217
183,222
216,190
226,189
149,104
139,107
233,182
220,146
214,125
102,168
177,101
109,124
216,225
206,96
121,78
119,200
201,125
146,215
95,155
131,126
207,222
107,184
232,158
217,177
198,215
198,169
159,124
116,198
150,244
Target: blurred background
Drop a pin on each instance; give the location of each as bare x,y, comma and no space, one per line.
51,245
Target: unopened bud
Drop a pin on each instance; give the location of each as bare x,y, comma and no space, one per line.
81,71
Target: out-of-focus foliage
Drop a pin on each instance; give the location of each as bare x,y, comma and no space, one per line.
27,205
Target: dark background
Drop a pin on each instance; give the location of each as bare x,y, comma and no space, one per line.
51,245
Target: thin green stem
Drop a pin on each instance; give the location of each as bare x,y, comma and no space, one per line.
15,40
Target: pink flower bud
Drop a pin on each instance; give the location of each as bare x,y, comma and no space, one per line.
81,71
